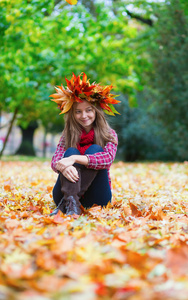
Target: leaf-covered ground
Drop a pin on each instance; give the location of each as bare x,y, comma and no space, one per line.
136,248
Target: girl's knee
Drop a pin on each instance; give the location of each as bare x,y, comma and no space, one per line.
71,151
94,149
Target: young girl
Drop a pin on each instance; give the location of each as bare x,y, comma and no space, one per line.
86,148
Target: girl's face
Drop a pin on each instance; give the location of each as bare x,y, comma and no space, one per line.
85,115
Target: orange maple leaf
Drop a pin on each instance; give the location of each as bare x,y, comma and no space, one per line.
135,211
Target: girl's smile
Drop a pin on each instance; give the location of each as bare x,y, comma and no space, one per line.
85,115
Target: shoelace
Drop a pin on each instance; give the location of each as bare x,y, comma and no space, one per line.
55,211
71,205
60,203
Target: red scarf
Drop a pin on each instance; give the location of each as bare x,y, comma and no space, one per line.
86,140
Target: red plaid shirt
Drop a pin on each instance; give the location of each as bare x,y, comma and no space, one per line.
97,161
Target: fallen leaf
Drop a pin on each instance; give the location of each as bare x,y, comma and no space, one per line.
135,248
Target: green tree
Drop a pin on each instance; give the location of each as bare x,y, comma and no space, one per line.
21,26
40,46
169,79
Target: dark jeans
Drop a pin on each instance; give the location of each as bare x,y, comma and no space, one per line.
99,191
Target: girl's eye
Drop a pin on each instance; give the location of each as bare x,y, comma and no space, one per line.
77,111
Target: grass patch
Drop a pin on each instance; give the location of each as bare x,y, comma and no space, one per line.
24,158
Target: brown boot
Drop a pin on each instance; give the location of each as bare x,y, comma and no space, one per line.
87,177
61,206
72,206
70,191
73,191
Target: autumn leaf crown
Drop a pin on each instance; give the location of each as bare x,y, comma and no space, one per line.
79,89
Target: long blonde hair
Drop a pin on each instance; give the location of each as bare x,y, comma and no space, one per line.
72,130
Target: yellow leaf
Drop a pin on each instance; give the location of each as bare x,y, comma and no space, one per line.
41,231
72,2
46,210
6,209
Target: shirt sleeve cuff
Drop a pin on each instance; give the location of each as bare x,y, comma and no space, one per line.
91,161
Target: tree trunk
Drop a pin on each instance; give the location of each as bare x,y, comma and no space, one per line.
44,142
26,147
9,131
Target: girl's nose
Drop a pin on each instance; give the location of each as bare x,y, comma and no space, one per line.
83,114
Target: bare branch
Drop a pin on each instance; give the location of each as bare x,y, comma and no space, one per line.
143,20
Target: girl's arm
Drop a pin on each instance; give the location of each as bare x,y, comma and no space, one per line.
98,161
102,160
59,153
70,161
59,163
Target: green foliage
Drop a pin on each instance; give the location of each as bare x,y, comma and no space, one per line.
139,137
42,44
169,79
20,50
